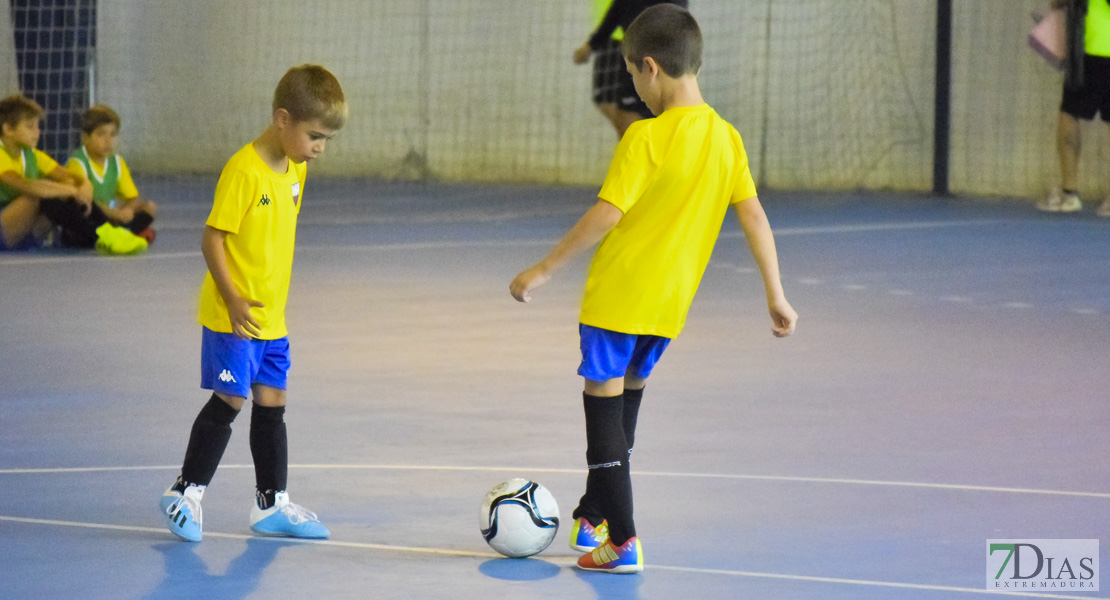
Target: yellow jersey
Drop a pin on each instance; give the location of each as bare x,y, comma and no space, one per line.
110,181
258,208
674,178
27,162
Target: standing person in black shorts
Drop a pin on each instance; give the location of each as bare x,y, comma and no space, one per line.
1086,94
614,94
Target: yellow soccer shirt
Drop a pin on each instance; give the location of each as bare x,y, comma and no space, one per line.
44,165
674,178
258,209
125,185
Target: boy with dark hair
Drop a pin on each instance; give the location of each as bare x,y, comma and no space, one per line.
32,185
113,188
658,217
248,247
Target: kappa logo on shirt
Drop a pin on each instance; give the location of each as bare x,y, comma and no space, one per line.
226,376
265,201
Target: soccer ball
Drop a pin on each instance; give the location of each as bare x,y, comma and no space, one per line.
519,518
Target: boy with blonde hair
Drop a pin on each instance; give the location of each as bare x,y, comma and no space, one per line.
658,216
248,247
32,185
113,188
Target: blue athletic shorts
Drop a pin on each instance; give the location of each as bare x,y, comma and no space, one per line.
609,354
231,365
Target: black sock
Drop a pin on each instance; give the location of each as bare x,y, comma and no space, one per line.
78,229
270,449
608,484
141,221
207,442
632,400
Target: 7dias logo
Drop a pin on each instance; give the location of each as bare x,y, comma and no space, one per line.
1059,565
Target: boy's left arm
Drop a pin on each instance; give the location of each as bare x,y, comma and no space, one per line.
762,244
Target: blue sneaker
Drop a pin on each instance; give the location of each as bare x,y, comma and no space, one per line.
608,558
182,512
287,519
585,537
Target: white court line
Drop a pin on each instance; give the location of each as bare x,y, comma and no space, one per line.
445,245
780,478
559,561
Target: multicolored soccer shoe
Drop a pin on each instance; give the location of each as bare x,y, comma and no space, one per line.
585,537
608,558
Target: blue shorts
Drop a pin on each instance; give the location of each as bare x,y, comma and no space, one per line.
609,354
231,365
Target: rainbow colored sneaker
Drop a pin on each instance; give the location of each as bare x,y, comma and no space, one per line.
585,537
608,558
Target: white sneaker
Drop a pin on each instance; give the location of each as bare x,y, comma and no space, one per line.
1104,209
1058,201
287,519
182,512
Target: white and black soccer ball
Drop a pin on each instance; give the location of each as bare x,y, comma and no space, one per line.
519,518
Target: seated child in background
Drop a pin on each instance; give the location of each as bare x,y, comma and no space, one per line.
35,192
113,189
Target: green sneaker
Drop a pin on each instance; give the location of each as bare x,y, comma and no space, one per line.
117,240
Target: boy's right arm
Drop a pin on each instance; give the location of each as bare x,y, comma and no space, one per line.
243,324
589,230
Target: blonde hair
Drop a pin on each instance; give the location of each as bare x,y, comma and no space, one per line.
17,108
311,92
96,116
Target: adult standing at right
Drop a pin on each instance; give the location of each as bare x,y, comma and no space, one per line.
613,92
1086,93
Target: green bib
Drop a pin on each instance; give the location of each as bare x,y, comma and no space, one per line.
30,171
104,186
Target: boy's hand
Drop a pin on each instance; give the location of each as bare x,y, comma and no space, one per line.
527,281
582,54
243,325
125,214
783,318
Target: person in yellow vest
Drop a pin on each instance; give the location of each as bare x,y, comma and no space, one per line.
248,244
1086,94
113,188
613,93
36,193
671,182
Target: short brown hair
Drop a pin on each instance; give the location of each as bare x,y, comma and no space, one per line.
14,109
98,115
669,35
312,92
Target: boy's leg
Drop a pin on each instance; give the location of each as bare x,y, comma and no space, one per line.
207,441
608,483
16,220
272,512
269,443
78,229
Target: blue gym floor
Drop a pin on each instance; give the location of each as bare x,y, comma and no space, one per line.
947,385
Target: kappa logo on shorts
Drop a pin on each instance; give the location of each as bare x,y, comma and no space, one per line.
265,201
226,377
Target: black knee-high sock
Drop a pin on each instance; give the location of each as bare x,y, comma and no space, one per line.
141,221
207,442
608,484
78,229
270,449
632,400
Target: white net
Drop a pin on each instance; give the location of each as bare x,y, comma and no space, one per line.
827,95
